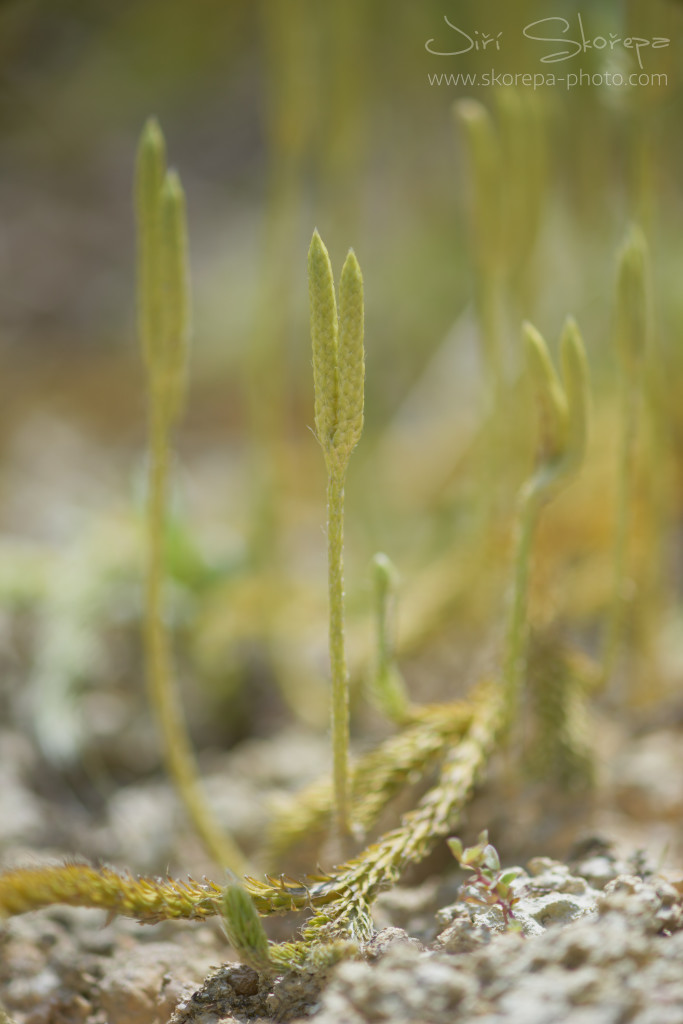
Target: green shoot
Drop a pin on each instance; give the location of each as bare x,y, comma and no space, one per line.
489,885
243,928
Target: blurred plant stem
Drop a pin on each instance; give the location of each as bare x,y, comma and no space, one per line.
631,337
338,666
164,697
5,1017
164,328
387,688
285,49
562,430
517,630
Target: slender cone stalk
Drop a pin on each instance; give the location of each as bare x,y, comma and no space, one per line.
517,634
483,148
164,699
164,329
340,677
386,686
632,328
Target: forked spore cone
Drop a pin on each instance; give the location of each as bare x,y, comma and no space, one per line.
562,435
562,407
338,378
338,352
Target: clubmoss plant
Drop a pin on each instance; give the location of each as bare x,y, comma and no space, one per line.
338,375
454,742
163,303
563,414
463,734
341,900
631,336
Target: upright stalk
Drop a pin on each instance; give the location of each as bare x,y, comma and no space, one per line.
624,515
387,688
163,694
516,639
487,174
338,669
632,328
164,330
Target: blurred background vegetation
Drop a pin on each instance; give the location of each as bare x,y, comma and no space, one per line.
281,117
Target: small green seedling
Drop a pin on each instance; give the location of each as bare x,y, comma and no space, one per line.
489,886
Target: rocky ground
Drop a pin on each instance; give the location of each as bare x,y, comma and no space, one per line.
596,940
